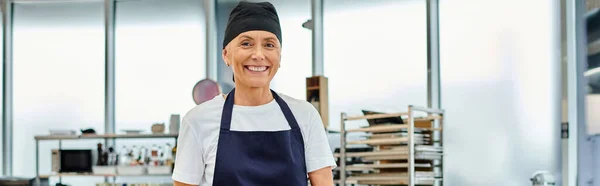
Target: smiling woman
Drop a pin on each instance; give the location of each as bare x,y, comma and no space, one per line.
253,135
254,57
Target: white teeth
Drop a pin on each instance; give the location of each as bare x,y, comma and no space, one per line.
257,69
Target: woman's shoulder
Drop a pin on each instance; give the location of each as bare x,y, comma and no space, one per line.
291,101
298,106
305,113
207,110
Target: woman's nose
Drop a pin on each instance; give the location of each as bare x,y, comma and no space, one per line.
258,54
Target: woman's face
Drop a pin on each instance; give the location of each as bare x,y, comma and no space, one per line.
254,57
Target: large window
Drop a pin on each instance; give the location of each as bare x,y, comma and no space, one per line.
160,55
500,71
375,57
58,78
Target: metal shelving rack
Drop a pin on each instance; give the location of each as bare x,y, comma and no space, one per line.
106,137
396,150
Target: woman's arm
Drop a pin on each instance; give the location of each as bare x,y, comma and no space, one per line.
321,177
176,183
189,162
319,156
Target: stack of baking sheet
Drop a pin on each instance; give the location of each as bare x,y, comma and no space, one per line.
388,163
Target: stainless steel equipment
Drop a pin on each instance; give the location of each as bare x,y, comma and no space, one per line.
542,178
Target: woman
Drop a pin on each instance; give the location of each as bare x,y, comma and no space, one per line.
253,136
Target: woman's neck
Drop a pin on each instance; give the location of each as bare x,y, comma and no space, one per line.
252,96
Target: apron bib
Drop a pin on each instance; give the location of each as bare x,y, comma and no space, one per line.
269,158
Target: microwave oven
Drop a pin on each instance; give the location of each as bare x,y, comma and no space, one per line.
72,161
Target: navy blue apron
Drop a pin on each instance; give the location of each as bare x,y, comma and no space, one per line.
269,158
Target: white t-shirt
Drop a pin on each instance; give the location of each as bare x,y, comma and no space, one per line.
199,133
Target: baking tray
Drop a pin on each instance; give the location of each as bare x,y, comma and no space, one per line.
390,128
392,179
396,134
357,167
397,151
418,174
418,156
387,141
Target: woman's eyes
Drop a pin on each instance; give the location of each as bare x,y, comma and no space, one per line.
268,45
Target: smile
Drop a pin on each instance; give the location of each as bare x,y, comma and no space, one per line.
256,68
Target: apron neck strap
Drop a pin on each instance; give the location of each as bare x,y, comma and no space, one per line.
228,110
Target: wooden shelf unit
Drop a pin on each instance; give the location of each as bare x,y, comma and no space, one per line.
403,154
317,94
